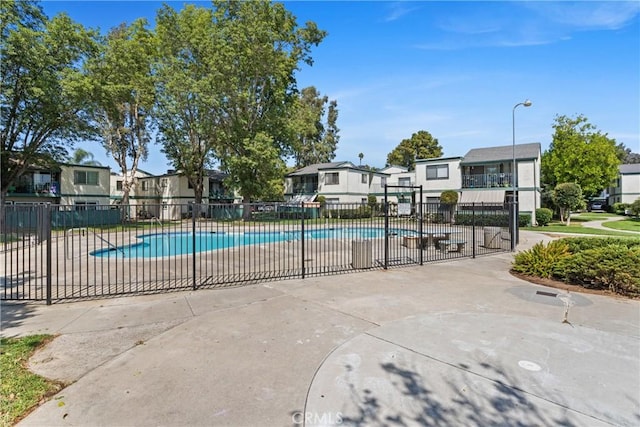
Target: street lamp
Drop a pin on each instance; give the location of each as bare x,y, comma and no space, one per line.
514,220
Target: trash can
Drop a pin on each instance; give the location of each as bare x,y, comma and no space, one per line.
361,254
493,237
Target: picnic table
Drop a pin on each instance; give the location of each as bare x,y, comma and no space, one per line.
433,238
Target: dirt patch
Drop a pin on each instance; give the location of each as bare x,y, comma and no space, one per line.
569,287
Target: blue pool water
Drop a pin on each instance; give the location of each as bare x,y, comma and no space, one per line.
171,244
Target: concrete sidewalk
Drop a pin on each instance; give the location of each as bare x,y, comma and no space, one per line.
455,343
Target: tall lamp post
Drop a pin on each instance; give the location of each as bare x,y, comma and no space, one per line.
514,216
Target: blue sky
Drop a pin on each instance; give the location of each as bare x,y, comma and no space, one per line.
455,69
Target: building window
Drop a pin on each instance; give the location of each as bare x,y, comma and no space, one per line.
438,172
85,178
145,185
332,178
404,182
364,178
383,181
119,185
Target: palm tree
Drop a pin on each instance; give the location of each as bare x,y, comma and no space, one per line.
82,157
361,156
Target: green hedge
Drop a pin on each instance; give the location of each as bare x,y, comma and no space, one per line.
613,267
491,220
598,263
544,216
360,212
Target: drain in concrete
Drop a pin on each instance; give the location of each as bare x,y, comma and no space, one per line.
546,294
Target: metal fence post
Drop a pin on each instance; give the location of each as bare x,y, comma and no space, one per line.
302,240
473,229
193,242
386,229
420,221
47,235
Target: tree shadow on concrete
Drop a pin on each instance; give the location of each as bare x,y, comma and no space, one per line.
13,314
504,404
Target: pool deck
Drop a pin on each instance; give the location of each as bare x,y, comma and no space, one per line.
452,343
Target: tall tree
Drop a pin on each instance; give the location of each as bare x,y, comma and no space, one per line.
581,154
42,87
261,48
188,95
627,156
83,157
124,96
421,145
314,128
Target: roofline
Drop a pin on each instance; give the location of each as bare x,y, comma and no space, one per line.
438,159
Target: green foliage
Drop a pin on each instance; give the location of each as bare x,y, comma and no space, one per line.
226,85
524,220
602,263
359,212
613,267
541,260
582,154
490,219
20,390
421,145
577,244
493,220
619,208
635,207
43,90
568,196
543,216
314,128
449,197
372,202
124,96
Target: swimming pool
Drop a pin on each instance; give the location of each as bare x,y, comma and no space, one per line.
181,243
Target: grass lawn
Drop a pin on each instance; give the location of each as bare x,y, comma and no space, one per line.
630,224
576,229
21,390
592,216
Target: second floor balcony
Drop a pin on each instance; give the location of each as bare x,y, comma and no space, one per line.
487,180
49,189
305,188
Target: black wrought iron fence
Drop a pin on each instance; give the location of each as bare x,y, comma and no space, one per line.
55,253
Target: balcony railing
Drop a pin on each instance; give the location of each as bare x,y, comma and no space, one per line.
305,188
50,189
487,180
220,195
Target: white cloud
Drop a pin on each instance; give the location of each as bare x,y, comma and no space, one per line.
526,24
587,15
398,10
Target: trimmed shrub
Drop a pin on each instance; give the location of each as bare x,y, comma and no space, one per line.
524,220
490,220
360,212
544,216
542,260
612,267
598,263
619,208
578,244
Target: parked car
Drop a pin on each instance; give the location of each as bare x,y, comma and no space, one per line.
596,205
